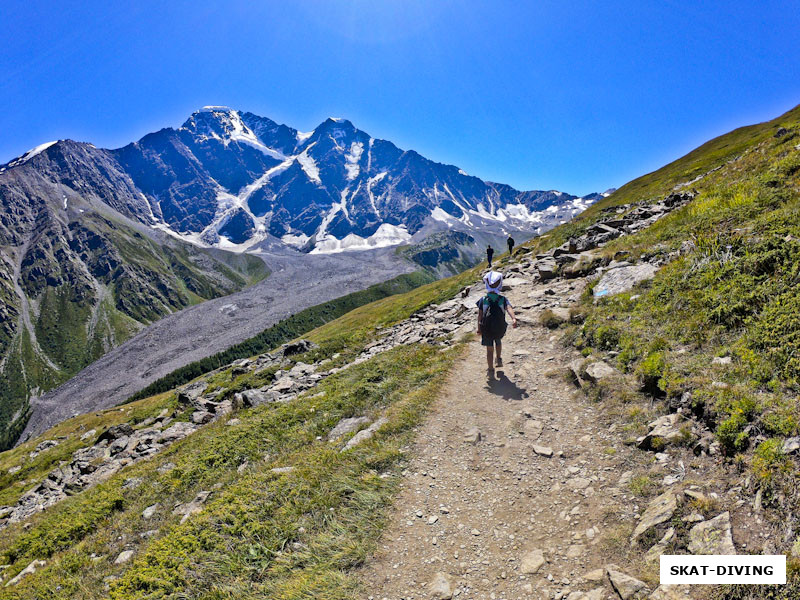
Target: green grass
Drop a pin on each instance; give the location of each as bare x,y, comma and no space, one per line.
145,281
729,287
261,534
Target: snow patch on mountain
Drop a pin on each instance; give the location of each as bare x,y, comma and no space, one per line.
386,235
295,240
29,155
309,165
352,158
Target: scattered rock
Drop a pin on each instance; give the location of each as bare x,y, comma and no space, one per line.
531,562
440,587
576,551
721,360
626,586
671,592
596,576
543,450
346,426
712,536
533,429
660,510
124,557
472,436
150,511
600,371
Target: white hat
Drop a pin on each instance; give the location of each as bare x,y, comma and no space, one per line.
493,281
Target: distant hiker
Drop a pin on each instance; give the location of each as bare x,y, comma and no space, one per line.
492,309
510,245
489,254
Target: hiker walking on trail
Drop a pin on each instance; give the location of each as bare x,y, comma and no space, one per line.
510,245
489,254
492,309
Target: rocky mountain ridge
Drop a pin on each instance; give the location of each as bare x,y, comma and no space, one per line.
237,180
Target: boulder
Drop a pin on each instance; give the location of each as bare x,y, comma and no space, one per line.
257,397
622,279
124,557
176,432
660,510
791,445
531,562
626,586
365,434
346,426
547,268
298,347
115,432
188,509
440,587
201,417
30,569
712,536
659,548
600,371
472,436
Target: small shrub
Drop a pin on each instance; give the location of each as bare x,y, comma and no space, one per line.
642,485
768,460
549,319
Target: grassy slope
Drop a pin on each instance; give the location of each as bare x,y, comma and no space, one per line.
730,288
657,184
262,534
152,281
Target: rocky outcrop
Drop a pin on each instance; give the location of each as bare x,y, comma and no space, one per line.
658,511
712,536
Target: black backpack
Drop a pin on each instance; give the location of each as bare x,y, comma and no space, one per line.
494,316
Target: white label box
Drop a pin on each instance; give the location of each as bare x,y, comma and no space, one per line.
719,569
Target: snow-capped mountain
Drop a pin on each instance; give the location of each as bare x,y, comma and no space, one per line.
234,180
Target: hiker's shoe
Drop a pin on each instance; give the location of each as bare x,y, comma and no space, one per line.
498,362
490,372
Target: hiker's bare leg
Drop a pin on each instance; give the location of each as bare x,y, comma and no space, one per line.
499,350
489,356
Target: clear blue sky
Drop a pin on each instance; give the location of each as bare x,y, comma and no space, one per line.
577,96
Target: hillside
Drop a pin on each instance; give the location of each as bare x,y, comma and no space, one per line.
96,245
79,275
648,405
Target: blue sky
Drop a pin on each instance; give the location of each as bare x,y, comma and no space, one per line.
577,96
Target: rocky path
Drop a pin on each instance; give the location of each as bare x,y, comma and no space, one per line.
514,483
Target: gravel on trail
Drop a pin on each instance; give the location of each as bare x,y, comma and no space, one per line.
488,514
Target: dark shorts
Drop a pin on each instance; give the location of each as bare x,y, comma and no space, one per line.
491,338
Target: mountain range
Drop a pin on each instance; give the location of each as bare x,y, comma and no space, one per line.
236,180
97,244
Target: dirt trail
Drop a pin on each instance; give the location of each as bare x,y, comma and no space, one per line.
473,511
